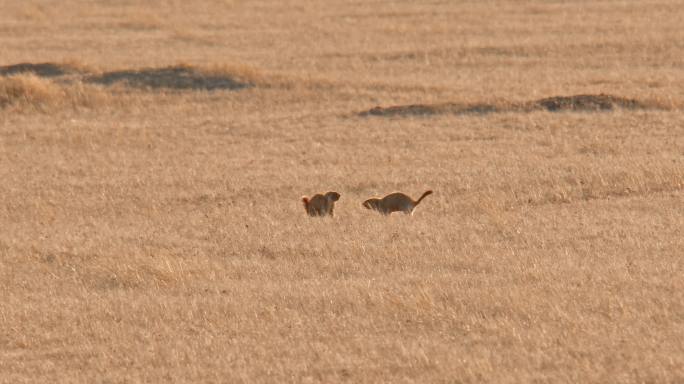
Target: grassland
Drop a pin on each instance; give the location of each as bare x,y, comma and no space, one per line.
153,156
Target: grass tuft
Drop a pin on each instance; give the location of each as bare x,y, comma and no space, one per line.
38,93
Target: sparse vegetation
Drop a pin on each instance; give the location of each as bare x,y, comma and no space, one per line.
28,91
153,156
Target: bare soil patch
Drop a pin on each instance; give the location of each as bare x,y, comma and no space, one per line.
44,86
40,69
178,77
174,77
599,102
576,103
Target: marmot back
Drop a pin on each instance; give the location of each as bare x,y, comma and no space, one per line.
394,202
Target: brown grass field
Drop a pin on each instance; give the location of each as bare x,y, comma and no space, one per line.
153,156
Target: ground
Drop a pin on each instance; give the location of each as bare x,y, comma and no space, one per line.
153,156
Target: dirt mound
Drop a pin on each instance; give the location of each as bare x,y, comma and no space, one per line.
577,103
176,77
599,102
431,109
39,69
180,77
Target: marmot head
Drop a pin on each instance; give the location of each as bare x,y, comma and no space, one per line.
370,203
333,196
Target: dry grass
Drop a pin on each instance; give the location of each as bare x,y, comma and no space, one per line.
150,222
28,91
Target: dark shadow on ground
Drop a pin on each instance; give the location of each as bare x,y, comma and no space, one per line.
600,102
39,69
176,77
577,103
